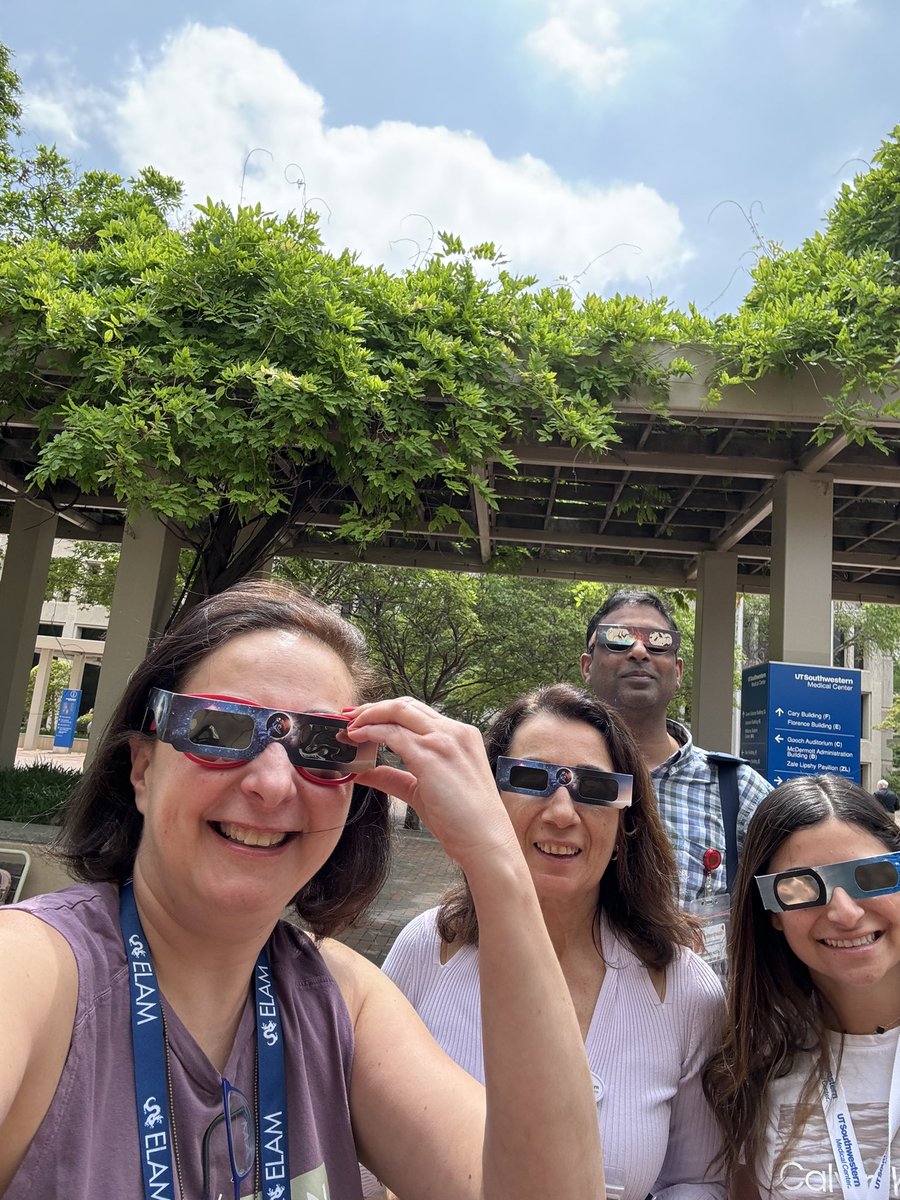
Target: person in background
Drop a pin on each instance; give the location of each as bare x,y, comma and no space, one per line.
886,796
163,1034
581,803
632,664
806,1082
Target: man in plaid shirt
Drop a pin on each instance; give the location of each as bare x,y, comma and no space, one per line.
632,664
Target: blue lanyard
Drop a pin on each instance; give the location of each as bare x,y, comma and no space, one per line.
150,1084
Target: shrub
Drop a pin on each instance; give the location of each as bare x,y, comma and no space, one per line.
35,793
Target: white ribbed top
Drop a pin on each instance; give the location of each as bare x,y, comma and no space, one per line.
658,1132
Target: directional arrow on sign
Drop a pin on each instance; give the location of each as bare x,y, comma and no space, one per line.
778,779
779,712
778,737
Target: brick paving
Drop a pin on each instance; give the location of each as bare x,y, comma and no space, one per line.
420,874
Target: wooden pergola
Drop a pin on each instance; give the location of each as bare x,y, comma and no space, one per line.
732,498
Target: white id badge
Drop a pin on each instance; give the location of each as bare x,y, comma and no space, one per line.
713,913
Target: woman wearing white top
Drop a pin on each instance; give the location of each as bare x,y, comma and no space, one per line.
806,1085
582,805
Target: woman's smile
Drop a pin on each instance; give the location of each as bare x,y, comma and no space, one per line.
245,835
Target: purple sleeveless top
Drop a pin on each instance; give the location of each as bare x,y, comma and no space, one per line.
87,1145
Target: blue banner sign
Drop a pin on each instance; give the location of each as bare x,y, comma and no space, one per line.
801,720
65,721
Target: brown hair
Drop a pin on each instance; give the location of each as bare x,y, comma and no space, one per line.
775,1013
637,890
101,826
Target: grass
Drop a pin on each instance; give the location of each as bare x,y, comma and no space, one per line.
35,794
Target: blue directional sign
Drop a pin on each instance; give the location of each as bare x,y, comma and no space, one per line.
65,721
801,720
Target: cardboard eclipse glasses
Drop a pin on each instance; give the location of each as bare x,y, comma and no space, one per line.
218,732
586,785
808,887
620,638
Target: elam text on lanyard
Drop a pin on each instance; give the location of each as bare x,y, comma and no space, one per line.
844,1145
150,1086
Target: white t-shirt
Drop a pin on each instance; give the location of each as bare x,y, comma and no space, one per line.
646,1054
808,1170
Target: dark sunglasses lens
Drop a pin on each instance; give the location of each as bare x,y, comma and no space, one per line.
320,742
876,876
532,779
794,890
231,731
597,789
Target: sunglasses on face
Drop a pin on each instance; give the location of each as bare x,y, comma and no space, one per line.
218,732
586,785
620,638
808,887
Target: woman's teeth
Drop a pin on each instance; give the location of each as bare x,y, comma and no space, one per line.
843,943
251,837
558,851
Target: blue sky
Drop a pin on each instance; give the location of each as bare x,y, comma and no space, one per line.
621,145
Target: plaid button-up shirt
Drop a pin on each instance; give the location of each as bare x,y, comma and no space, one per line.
687,791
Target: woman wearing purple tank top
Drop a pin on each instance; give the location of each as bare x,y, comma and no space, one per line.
164,1034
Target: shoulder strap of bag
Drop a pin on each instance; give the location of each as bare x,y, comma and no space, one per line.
729,800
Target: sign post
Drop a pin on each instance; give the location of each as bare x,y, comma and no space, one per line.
801,720
65,721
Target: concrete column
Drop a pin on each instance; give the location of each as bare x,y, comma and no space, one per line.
800,621
714,650
22,586
142,598
77,671
38,699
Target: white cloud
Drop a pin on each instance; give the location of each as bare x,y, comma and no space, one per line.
213,95
51,120
583,39
62,110
597,43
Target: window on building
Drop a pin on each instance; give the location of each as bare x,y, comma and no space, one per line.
90,633
47,629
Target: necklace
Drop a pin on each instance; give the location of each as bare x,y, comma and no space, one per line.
885,1028
171,1094
175,1153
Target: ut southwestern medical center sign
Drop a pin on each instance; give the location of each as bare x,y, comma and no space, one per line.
801,720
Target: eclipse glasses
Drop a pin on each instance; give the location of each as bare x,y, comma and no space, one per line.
218,732
807,887
620,638
586,785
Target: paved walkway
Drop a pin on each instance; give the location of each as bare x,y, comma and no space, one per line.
420,874
59,758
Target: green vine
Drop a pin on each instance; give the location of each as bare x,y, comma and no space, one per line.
231,368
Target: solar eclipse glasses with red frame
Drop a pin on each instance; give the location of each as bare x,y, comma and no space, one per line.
220,732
